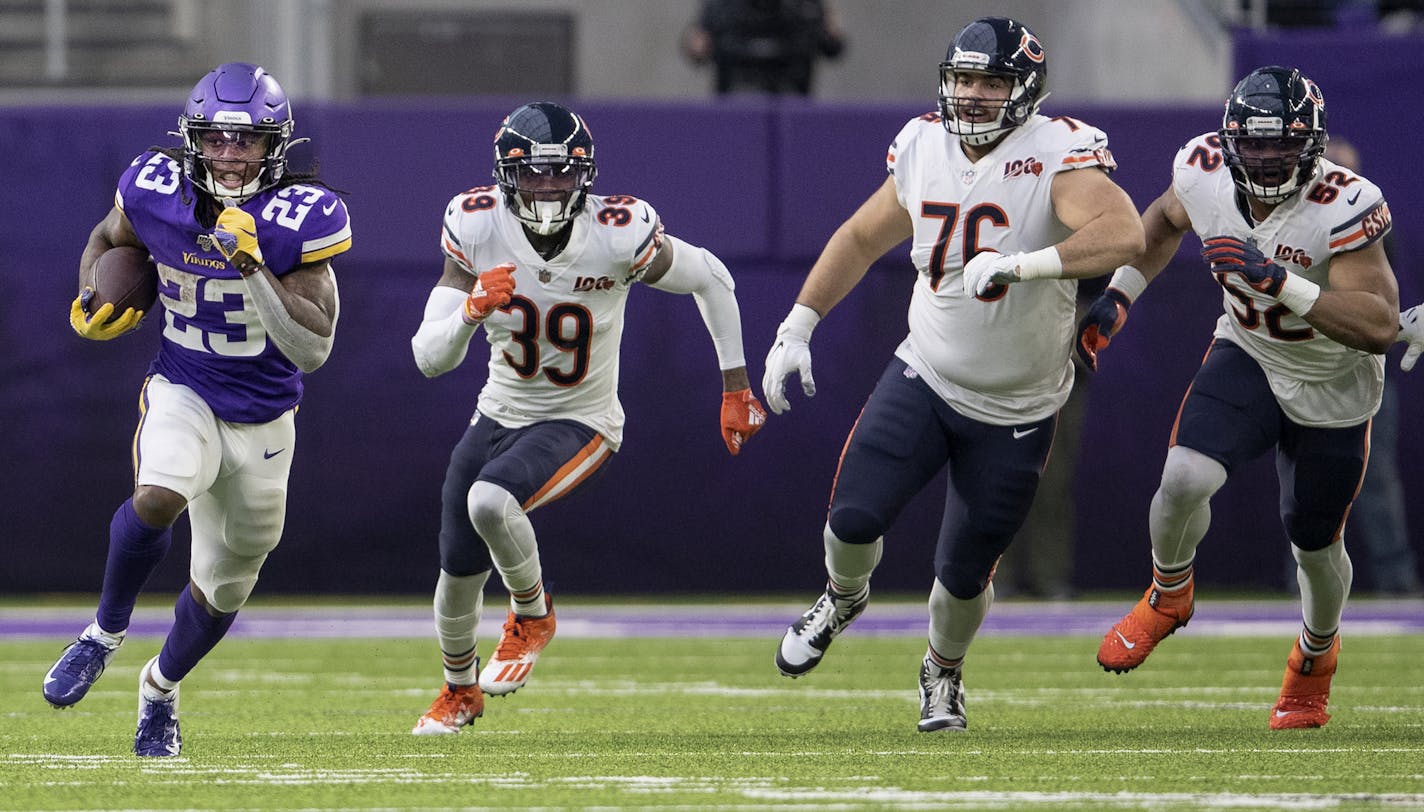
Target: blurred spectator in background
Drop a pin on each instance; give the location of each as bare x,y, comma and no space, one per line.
1305,13
763,46
1400,16
1377,521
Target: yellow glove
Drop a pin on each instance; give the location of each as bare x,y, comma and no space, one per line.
98,327
236,233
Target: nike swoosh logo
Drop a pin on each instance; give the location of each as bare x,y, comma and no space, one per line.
1019,434
49,679
1125,642
327,210
1354,197
267,455
646,219
1280,714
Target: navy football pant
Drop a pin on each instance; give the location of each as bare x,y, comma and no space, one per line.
524,461
1231,415
905,435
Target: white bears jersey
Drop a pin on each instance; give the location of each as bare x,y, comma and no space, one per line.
1318,381
554,348
1003,359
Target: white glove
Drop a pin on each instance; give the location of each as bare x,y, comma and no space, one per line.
1411,329
791,352
990,268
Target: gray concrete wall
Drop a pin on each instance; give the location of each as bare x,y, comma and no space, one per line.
1108,51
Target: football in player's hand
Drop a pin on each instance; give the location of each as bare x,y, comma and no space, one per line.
126,277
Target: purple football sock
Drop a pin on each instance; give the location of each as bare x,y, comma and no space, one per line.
193,635
135,551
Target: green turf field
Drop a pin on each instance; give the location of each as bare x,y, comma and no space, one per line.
688,723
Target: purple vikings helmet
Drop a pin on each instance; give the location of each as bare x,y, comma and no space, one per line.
543,156
242,105
1001,47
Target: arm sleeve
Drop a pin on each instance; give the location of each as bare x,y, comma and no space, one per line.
697,271
303,347
444,337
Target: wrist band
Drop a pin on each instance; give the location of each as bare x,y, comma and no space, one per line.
1129,281
1040,264
801,321
1298,293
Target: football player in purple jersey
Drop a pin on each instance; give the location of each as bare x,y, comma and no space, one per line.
243,249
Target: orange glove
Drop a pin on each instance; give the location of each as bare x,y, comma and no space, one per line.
742,416
492,291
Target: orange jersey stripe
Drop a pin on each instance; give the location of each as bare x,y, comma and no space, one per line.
455,252
1348,238
646,257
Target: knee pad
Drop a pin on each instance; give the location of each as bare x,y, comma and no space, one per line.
1190,477
490,506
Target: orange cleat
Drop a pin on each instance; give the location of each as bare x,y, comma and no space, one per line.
1155,616
457,706
519,645
1306,689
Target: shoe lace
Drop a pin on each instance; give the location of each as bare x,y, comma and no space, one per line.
821,616
82,655
943,694
827,615
157,721
448,703
511,640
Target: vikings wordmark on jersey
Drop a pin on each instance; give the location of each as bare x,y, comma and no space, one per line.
213,341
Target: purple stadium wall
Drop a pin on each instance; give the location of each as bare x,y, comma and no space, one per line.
761,183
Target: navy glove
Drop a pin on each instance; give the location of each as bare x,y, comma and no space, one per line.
1230,255
1104,318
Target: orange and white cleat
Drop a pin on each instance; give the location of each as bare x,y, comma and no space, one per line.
1306,689
1155,616
457,706
519,645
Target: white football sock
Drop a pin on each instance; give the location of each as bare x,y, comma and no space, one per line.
849,566
1324,577
954,622
1181,509
459,600
504,526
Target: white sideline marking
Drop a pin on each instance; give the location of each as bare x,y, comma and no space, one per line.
858,790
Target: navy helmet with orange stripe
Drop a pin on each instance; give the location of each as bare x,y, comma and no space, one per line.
543,162
997,46
1273,132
